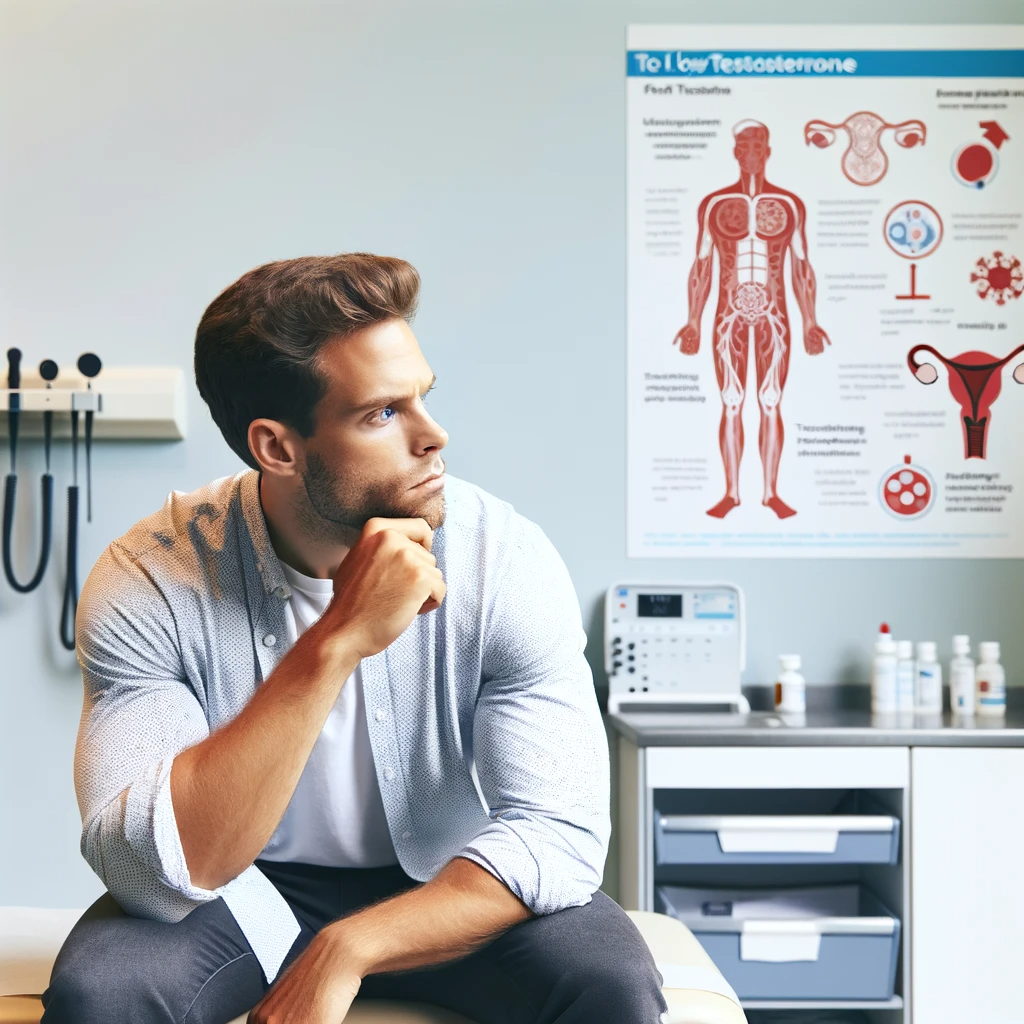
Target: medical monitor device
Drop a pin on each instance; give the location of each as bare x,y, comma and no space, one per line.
674,647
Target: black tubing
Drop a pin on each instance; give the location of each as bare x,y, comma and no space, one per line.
10,497
69,607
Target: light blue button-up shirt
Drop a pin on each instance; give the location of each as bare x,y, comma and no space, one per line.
486,733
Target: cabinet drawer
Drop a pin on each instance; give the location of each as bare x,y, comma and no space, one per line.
826,942
775,839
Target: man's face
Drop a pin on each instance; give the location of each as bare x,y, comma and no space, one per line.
375,447
752,150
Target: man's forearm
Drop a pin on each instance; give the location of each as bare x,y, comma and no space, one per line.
230,791
462,908
698,288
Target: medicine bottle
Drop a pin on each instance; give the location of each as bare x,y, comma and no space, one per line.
790,688
990,680
904,675
928,680
883,673
961,677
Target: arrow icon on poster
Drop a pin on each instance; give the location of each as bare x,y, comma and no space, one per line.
993,132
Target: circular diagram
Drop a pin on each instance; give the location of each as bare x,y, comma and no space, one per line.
998,277
974,164
913,229
907,491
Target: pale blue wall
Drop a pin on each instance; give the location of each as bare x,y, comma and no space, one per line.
153,151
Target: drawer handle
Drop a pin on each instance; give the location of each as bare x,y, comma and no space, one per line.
811,840
779,942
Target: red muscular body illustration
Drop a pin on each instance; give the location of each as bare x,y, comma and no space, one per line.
975,381
751,225
864,161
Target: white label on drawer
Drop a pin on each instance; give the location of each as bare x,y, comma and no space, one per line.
738,840
780,941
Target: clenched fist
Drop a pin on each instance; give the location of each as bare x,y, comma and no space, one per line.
386,580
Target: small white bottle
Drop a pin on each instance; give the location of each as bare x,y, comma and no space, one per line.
990,681
961,677
928,680
904,675
883,673
790,688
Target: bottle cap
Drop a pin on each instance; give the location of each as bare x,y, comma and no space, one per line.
961,644
789,662
904,649
989,650
926,650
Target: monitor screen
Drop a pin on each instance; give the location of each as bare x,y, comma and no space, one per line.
659,606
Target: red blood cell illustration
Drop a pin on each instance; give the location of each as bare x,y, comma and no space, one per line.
974,163
865,162
999,277
975,380
907,490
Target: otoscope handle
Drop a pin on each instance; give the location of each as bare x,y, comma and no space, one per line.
69,607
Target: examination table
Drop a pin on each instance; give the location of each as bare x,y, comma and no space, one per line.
695,991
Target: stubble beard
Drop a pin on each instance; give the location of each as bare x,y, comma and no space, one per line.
336,509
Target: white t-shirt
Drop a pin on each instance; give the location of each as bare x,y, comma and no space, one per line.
336,815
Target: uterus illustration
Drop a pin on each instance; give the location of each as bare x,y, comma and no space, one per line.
864,161
975,381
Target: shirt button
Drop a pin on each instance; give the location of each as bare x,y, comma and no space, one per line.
389,773
406,835
269,640
282,592
380,715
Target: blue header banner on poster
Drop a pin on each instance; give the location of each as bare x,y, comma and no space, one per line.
826,63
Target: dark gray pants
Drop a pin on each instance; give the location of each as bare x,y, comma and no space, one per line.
582,965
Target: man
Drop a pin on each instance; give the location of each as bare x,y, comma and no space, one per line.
316,684
751,225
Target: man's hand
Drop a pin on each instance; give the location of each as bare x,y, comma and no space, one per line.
317,988
815,340
688,340
388,578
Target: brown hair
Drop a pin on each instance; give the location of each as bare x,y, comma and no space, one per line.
259,342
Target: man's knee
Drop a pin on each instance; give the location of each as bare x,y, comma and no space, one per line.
99,982
613,969
117,969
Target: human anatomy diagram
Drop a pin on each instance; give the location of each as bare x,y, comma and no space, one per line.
864,161
751,225
975,380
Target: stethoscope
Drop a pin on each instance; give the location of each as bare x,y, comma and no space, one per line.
89,366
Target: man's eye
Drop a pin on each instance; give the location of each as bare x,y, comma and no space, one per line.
387,414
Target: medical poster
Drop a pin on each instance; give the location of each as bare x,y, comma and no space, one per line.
825,295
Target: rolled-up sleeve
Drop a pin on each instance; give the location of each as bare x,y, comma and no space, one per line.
139,711
539,743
